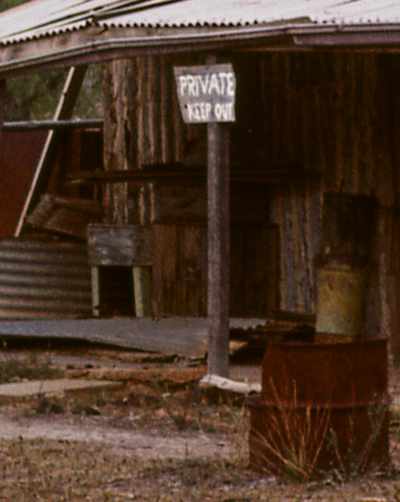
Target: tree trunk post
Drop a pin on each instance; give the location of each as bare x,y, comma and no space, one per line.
2,111
218,249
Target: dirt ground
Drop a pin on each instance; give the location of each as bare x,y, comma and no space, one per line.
158,438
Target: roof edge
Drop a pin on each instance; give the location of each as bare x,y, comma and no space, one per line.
90,46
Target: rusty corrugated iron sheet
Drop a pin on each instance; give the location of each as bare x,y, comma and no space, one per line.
43,280
183,335
53,17
19,155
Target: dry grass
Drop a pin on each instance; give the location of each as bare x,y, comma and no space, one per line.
32,367
292,441
50,470
300,440
68,471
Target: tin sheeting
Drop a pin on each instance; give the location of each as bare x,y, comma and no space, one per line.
43,280
42,18
20,153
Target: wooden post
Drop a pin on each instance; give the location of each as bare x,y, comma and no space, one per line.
2,110
218,249
207,95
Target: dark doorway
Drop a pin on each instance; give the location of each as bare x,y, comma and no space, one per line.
116,292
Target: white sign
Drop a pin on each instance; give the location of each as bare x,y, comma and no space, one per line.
206,93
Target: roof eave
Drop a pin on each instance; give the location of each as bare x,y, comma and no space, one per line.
94,45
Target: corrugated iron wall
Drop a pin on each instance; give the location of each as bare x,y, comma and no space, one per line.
43,280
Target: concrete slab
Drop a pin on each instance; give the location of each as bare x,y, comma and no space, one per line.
24,390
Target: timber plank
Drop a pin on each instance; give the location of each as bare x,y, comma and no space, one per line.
122,245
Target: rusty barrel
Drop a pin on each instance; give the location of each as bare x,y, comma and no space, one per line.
323,406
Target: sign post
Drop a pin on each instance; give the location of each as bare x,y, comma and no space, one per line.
2,113
207,95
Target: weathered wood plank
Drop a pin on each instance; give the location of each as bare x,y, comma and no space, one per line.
39,125
180,269
142,284
348,227
65,215
64,110
119,245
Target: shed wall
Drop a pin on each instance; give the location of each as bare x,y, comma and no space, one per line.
336,114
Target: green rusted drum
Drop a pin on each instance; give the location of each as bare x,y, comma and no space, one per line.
341,299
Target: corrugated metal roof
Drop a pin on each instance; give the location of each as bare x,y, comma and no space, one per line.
219,13
40,18
359,12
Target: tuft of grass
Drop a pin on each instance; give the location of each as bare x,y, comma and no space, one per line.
300,442
32,367
291,443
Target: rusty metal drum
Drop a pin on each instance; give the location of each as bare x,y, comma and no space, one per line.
323,406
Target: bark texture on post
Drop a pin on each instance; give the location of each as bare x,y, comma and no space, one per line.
119,90
142,125
2,110
218,249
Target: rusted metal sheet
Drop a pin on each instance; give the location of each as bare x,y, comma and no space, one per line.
327,372
186,336
120,245
40,279
339,391
19,154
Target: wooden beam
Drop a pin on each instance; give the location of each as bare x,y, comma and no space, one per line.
64,111
52,125
218,249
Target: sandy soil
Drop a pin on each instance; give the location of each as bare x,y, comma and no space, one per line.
159,438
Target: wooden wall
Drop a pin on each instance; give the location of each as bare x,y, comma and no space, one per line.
337,114
142,124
